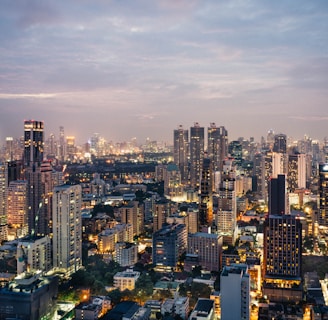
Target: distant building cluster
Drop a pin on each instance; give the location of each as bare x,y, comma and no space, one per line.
236,216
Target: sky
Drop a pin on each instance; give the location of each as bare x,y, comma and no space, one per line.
141,68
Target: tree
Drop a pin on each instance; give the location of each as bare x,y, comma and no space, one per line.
144,284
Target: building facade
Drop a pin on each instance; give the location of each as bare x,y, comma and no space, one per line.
67,228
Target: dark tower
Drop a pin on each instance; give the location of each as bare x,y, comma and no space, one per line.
33,142
196,153
278,196
282,260
206,195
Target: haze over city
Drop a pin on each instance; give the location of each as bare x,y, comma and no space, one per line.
141,68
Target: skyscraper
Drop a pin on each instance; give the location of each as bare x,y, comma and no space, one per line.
196,153
33,142
3,201
296,176
180,152
17,207
235,150
323,195
67,228
282,257
235,292
217,145
278,203
206,195
280,143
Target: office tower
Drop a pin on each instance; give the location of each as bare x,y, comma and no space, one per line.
282,247
168,244
34,254
180,152
235,292
235,150
196,154
206,248
323,195
206,195
67,228
3,201
296,177
280,143
17,207
278,197
259,175
33,142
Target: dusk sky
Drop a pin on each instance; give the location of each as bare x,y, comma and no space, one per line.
140,68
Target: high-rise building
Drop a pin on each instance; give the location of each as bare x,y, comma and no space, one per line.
235,150
129,215
34,254
226,218
180,152
35,200
9,148
206,195
126,254
17,207
3,201
70,147
173,189
67,228
296,177
259,175
282,247
207,248
217,145
278,197
161,211
279,164
196,154
168,244
235,292
323,195
33,142
61,144
280,143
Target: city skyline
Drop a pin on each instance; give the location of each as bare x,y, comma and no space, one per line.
142,69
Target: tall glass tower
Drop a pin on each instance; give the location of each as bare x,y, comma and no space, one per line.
33,142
